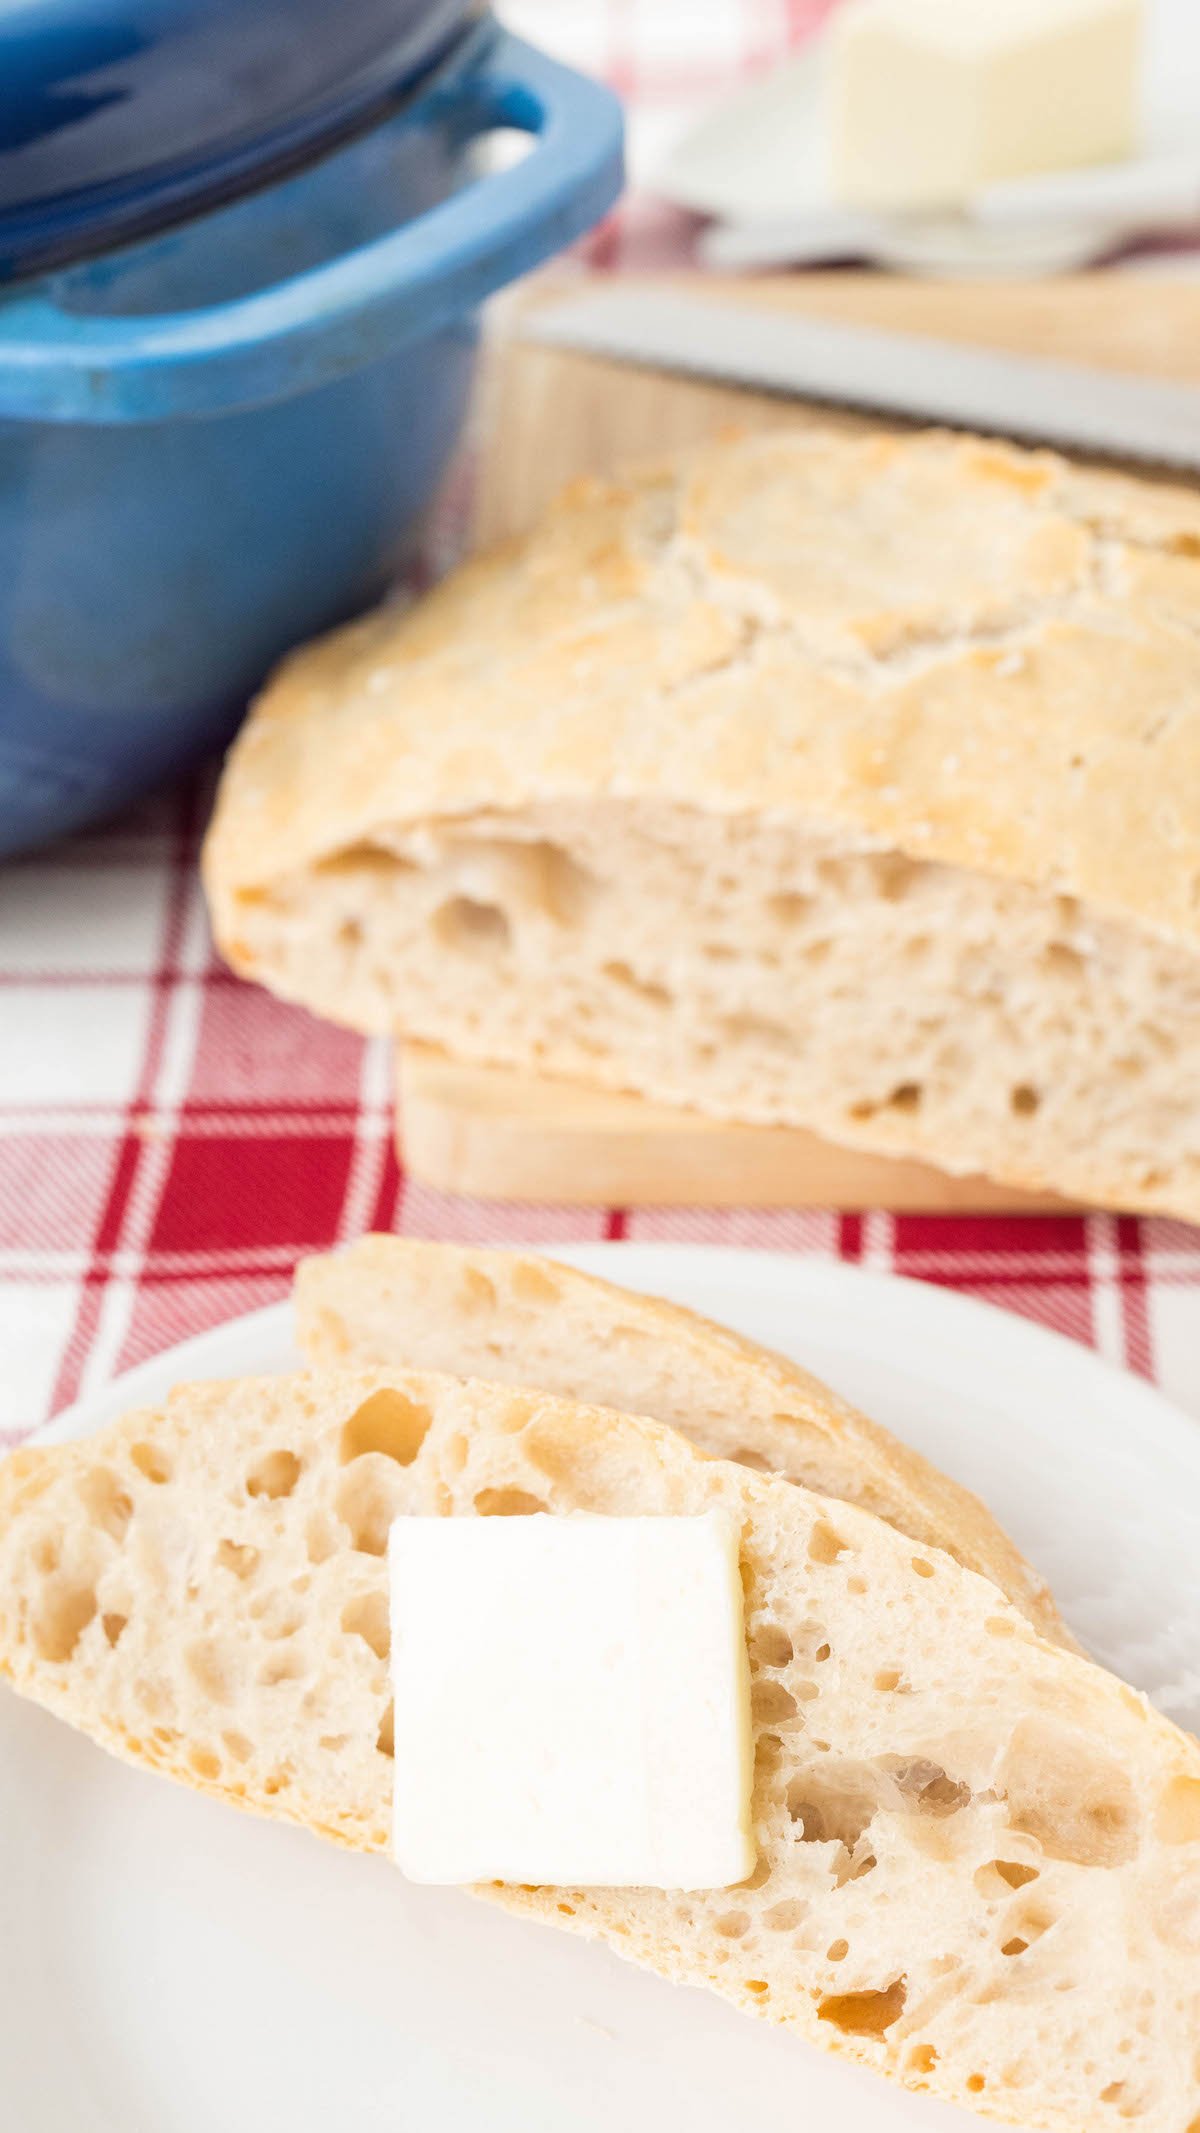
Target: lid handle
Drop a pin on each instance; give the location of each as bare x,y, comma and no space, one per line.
62,366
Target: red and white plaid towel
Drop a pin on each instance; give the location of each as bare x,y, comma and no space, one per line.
171,1140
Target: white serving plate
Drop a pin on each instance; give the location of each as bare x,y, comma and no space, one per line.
758,160
168,1966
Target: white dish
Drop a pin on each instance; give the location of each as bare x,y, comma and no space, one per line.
758,162
167,1966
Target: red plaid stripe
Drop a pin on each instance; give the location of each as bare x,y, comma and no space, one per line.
171,1140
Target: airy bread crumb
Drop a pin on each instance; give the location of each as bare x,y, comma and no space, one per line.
524,1320
979,1855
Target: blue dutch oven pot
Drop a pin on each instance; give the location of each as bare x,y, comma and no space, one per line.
220,439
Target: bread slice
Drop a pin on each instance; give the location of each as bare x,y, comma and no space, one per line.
523,1320
979,1855
845,782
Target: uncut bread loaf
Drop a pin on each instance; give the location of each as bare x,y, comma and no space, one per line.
978,1855
850,783
524,1320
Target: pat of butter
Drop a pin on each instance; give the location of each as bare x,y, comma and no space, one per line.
931,99
572,1701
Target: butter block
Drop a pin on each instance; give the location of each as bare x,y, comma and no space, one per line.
572,1701
931,99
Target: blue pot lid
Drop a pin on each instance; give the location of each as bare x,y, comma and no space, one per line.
118,116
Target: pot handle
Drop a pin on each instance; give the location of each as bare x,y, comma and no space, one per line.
63,366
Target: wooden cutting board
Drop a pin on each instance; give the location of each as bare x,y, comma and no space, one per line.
545,416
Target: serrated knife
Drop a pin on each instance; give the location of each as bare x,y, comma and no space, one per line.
1107,412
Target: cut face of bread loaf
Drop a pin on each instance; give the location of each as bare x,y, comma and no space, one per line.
523,1320
848,783
979,1855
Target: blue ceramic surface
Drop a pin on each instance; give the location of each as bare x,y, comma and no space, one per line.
217,443
118,114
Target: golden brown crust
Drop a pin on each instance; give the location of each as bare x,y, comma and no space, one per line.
399,1282
984,656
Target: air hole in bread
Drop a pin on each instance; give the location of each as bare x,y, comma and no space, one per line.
204,1764
786,1916
150,1462
858,1586
288,1664
752,1459
468,927
531,1284
768,1749
1000,1626
277,1783
927,1785
771,1645
475,1291
66,1610
976,2084
107,1505
320,1539
854,1865
622,975
822,1653
922,2059
906,1096
805,1813
789,907
755,1030
834,1803
771,1704
758,1986
508,1503
328,1333
274,1475
887,1680
1016,1946
276,1612
385,1739
922,1568
1063,960
237,1558
1080,1805
824,1545
1032,1920
387,1423
1024,1100
212,1668
114,1627
47,1555
1000,1874
1177,1818
732,1924
367,1501
367,1617
837,1951
864,2014
237,1746
567,1909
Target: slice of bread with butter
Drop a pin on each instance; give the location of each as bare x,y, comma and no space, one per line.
520,1319
845,782
978,1855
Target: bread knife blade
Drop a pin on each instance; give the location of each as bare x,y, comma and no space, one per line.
1114,414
